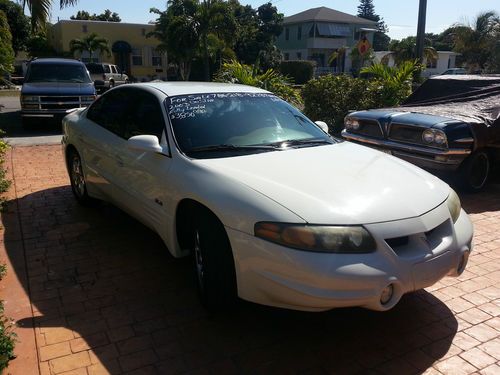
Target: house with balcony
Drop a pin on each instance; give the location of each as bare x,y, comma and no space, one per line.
315,34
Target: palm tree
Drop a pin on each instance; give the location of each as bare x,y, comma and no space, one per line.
40,10
90,43
405,50
476,42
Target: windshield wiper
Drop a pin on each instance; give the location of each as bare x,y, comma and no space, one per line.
299,142
229,147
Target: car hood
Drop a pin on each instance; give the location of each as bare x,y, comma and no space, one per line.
342,183
398,115
58,88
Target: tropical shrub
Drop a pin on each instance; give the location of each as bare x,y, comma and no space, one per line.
391,85
271,80
300,71
329,98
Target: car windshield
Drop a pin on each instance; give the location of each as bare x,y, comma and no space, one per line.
228,124
58,73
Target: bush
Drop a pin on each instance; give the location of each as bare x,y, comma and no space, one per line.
329,98
7,339
300,71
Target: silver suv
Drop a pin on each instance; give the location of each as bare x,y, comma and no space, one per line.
109,74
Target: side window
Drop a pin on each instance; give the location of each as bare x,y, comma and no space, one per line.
111,111
113,69
106,69
146,115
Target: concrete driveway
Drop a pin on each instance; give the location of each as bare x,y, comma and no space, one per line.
10,123
95,292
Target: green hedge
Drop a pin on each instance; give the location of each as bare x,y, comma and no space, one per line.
301,71
329,98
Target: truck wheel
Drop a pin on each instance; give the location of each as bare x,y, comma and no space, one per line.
213,263
474,171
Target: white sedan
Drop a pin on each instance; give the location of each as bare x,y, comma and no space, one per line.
272,208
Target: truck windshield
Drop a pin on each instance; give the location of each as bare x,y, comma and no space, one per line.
58,73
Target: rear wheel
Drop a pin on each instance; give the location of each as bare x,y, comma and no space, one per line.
474,171
77,179
213,263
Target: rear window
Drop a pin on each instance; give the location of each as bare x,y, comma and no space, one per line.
106,69
95,68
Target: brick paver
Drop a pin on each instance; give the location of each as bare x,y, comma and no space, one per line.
106,297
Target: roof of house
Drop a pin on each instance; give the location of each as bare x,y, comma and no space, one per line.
326,15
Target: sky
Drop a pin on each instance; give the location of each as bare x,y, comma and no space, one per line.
399,15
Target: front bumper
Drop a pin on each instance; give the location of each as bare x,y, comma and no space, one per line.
274,275
424,157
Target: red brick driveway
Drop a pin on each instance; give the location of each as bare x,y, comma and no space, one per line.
95,292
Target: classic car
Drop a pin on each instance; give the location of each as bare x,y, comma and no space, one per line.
450,125
271,208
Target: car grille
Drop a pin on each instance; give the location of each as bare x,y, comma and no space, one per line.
62,103
59,99
369,128
415,245
406,133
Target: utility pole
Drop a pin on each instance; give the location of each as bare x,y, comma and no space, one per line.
422,10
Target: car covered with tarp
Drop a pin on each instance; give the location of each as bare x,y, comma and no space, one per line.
450,125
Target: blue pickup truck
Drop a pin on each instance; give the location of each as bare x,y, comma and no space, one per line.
54,87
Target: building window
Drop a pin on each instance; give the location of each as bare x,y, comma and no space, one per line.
431,63
84,28
287,33
299,55
286,56
156,58
299,33
137,56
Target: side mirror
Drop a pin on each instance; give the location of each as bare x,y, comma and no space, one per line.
147,143
98,83
322,125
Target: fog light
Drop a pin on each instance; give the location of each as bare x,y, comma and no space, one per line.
386,295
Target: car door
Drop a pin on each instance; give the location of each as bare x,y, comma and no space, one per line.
142,175
101,140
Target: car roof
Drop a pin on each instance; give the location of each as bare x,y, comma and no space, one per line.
56,61
468,77
187,88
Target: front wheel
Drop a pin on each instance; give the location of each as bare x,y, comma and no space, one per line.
474,171
77,179
213,263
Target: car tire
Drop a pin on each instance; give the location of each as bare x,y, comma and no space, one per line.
111,84
474,171
77,179
213,263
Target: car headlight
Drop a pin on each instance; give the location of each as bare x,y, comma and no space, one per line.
351,123
454,206
317,238
434,136
29,98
